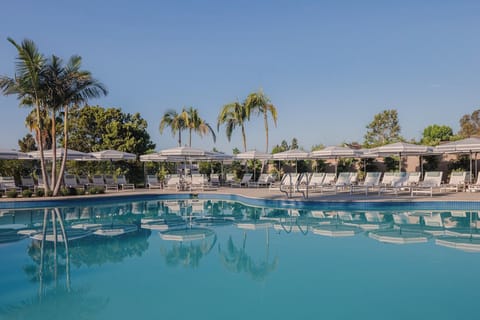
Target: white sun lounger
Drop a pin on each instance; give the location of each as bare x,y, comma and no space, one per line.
372,180
152,182
244,182
343,181
432,180
457,182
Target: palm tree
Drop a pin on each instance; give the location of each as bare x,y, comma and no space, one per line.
176,121
197,124
67,86
258,102
49,86
26,84
41,137
234,115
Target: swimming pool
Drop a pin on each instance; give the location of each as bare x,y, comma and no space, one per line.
221,258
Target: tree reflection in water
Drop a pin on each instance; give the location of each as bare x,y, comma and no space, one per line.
51,263
188,253
236,259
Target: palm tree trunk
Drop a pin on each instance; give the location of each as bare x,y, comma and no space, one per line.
244,138
190,138
179,138
65,147
40,149
265,121
54,153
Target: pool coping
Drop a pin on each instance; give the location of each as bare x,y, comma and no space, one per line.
339,203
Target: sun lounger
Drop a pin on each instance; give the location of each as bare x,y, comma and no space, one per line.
214,180
315,180
8,184
343,181
84,181
398,183
456,182
474,187
173,182
198,182
152,182
413,179
431,181
98,181
229,179
387,178
244,182
110,183
70,181
289,183
122,182
372,180
263,181
275,185
27,182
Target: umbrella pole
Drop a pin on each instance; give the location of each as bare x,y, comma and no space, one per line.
470,166
364,167
400,162
476,168
420,159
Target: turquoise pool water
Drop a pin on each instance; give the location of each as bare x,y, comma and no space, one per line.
221,259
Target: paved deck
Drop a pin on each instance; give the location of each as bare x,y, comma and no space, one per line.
265,193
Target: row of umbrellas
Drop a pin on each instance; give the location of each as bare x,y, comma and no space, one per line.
465,146
71,155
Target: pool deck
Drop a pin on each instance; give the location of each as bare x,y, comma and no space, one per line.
265,193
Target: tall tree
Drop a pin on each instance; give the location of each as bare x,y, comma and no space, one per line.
27,143
259,103
26,84
49,86
470,124
95,128
233,115
196,124
176,121
384,129
65,86
434,134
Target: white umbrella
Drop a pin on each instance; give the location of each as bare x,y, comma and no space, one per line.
6,154
335,152
113,155
187,152
294,154
466,146
460,146
401,149
157,157
71,154
252,155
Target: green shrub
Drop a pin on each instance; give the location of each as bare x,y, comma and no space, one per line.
68,192
92,190
50,193
40,193
12,194
96,190
80,192
27,193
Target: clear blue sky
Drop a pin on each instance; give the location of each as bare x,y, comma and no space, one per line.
328,66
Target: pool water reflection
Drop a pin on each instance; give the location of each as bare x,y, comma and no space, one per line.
215,259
